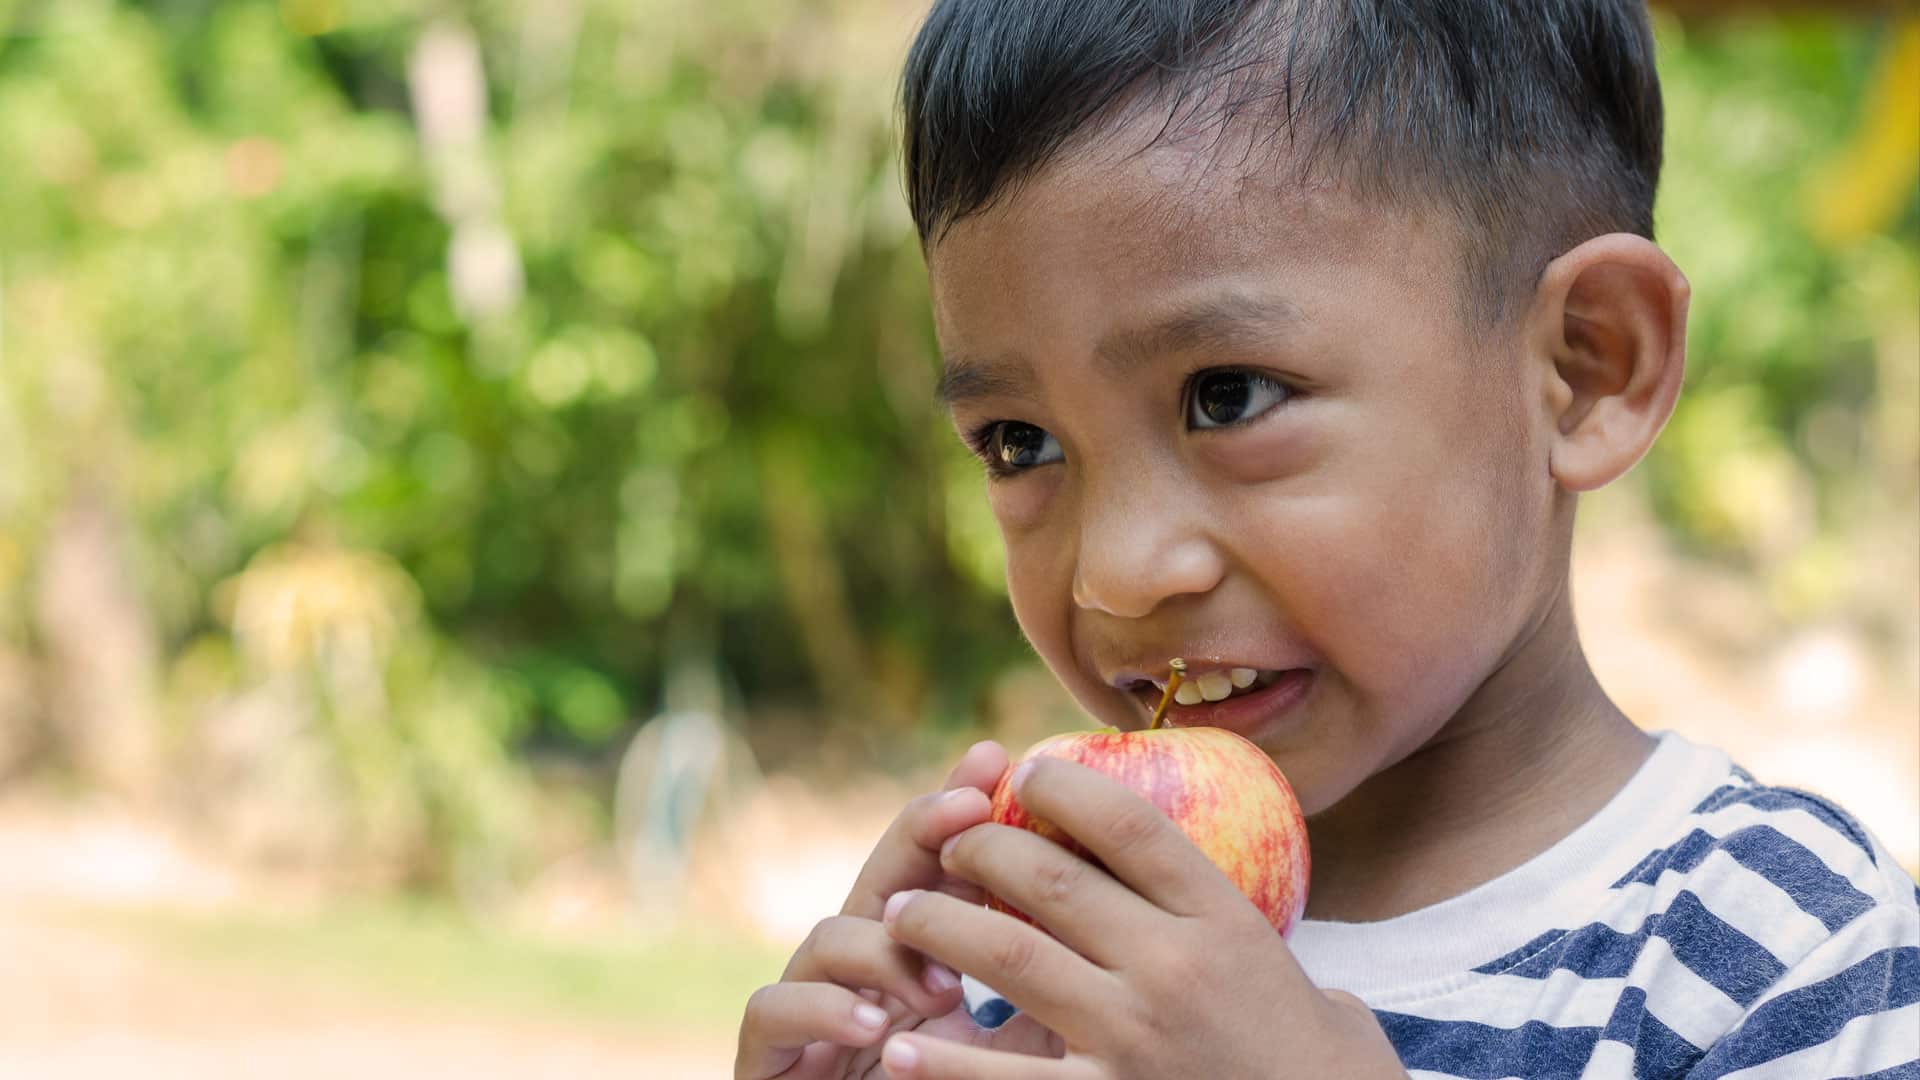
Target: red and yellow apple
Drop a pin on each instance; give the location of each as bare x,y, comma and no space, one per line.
1221,790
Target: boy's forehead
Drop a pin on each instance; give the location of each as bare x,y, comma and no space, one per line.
1106,235
1160,210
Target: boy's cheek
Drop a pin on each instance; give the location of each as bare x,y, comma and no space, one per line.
1019,503
1288,446
1399,621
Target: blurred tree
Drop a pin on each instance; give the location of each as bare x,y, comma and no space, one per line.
1790,200
555,334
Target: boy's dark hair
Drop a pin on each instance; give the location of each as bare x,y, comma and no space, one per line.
1536,123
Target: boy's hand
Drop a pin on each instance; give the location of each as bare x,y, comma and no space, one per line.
1159,966
849,984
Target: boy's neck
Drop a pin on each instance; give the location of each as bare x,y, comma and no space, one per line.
1536,751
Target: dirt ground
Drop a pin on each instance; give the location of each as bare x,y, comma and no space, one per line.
76,1005
79,1001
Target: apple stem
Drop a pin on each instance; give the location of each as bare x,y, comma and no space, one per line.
1175,677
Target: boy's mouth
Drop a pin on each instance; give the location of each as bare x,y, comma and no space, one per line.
1206,686
1251,702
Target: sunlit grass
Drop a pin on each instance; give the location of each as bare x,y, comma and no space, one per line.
690,983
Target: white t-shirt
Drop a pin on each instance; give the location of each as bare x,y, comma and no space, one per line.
1700,925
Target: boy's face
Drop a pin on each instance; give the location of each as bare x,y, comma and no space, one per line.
1245,425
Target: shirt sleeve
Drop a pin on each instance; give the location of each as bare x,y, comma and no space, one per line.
1849,1009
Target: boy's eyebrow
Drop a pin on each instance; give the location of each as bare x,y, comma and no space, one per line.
968,378
1233,320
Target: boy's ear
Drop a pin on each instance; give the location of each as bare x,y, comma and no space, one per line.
1610,317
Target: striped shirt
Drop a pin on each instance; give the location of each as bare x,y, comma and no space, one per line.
1701,925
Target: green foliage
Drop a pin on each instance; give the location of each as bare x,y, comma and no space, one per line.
698,406
1787,440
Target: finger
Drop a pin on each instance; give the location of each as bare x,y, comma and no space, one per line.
908,854
859,955
925,1058
783,1019
980,767
1134,839
1076,901
1043,977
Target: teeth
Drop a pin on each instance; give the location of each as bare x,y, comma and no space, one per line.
1215,685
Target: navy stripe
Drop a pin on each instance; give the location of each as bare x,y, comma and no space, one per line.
1481,1052
1779,799
1800,873
1496,967
1732,962
1718,798
1909,1071
1595,951
1811,1015
1680,856
1647,870
1772,854
1657,1049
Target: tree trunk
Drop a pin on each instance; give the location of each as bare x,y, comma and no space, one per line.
101,672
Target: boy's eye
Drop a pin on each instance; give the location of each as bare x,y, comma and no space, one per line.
1010,446
1223,398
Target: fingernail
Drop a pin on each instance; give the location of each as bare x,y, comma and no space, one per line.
1020,774
946,847
900,1054
872,1017
895,903
938,978
955,793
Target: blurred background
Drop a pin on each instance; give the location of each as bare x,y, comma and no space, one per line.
480,559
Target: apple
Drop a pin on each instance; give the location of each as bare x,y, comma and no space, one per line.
1224,792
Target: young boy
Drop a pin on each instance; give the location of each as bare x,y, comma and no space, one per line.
1289,332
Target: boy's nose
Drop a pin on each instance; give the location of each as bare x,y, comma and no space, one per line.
1130,561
